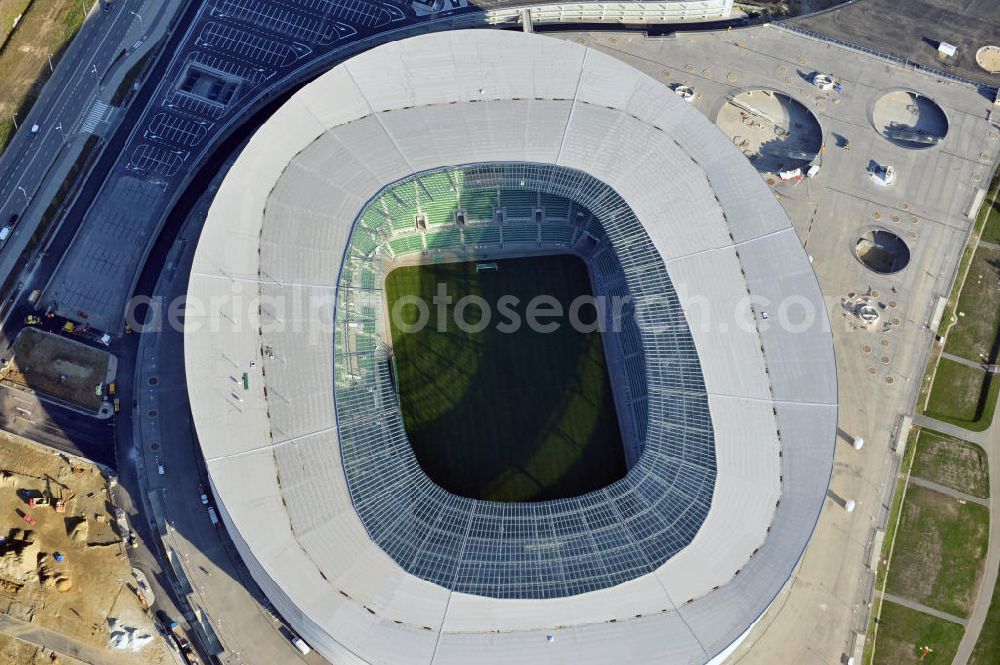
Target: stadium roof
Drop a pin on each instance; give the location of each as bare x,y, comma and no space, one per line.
277,235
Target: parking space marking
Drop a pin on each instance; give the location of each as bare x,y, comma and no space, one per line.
176,130
153,159
268,16
246,45
357,12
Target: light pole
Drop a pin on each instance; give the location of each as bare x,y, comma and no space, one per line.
51,68
13,117
138,16
61,132
27,200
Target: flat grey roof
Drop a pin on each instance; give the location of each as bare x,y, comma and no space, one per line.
276,234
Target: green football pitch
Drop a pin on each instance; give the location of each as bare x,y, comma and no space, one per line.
499,415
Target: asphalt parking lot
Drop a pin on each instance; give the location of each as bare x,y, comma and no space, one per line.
913,30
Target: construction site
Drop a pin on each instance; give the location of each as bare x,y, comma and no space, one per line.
65,578
61,369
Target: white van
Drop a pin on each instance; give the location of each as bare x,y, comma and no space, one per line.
299,644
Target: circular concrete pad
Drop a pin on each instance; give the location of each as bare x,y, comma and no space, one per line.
988,57
882,251
909,119
774,131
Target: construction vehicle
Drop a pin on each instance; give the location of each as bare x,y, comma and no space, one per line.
183,644
69,327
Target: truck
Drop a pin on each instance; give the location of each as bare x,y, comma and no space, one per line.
182,643
212,516
301,645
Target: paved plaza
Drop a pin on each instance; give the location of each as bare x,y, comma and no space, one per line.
822,610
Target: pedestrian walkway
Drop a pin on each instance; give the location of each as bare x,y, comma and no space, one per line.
96,117
963,361
980,438
990,441
942,489
70,650
924,609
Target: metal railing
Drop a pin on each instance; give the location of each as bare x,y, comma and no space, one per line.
888,58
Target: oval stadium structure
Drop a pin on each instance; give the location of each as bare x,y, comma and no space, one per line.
483,145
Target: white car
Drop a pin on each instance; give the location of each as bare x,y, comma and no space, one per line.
34,129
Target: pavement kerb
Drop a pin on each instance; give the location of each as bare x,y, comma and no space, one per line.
58,170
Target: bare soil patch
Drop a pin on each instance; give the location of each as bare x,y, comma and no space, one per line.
59,367
92,582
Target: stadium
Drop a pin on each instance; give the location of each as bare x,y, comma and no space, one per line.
387,491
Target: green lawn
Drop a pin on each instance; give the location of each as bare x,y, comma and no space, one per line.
10,10
939,551
509,416
957,392
45,30
952,462
987,651
978,308
991,232
903,633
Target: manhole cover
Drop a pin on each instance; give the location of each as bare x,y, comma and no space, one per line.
781,68
871,370
874,293
770,181
666,73
802,61
153,413
904,206
884,360
730,76
153,380
889,379
706,72
690,68
877,215
895,219
884,342
895,321
866,348
893,304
